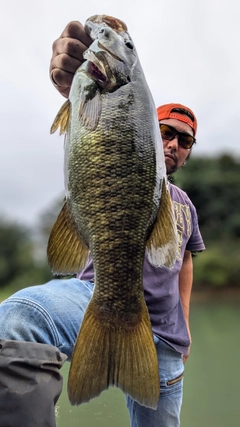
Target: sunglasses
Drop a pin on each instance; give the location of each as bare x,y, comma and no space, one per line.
184,139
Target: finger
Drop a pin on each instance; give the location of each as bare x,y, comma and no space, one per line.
62,80
67,50
65,63
62,70
76,30
68,46
67,55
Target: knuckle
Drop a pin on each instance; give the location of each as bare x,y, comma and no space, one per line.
55,45
71,26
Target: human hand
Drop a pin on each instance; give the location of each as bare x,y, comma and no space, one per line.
185,356
67,56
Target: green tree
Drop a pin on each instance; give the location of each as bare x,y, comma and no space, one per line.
19,265
213,185
48,218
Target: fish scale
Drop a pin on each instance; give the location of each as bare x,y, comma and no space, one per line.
117,206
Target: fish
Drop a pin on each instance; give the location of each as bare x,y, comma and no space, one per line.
118,208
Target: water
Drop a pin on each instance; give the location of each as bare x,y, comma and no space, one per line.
211,388
212,377
106,410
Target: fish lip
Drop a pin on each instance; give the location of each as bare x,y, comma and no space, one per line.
109,51
96,66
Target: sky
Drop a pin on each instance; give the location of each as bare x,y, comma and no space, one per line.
189,51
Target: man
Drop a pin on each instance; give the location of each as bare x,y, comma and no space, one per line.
39,325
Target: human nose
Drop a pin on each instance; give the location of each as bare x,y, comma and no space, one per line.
173,144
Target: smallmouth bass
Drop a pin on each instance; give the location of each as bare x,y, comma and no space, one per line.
117,206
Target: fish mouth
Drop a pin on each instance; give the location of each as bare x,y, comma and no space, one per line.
95,72
101,67
96,67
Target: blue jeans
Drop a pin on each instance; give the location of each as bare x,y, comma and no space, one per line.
167,413
52,313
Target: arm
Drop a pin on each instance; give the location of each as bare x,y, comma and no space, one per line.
185,288
67,56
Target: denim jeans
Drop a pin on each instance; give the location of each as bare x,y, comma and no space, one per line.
52,313
167,413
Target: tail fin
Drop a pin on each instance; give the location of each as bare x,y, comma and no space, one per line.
108,354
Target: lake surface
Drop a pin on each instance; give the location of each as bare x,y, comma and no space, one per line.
212,376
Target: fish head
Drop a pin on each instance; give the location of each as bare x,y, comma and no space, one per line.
112,56
115,23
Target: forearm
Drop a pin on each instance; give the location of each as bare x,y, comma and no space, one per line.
185,284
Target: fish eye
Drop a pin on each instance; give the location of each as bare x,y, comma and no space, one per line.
129,45
105,31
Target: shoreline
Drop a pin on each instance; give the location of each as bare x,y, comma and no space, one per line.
198,295
225,294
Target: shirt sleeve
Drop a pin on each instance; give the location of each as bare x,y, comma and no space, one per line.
195,242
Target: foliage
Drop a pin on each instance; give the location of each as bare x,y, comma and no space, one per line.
213,185
218,266
19,265
48,218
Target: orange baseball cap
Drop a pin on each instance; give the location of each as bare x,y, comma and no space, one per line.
178,112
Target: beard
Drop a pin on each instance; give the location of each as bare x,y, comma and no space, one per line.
171,165
171,169
175,166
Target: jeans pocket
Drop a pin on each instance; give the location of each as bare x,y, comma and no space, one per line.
175,380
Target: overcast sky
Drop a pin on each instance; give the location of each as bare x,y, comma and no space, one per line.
189,51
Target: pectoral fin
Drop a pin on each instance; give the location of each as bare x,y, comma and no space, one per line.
67,254
162,244
62,118
90,110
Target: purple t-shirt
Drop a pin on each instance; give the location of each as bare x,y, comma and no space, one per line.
160,284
